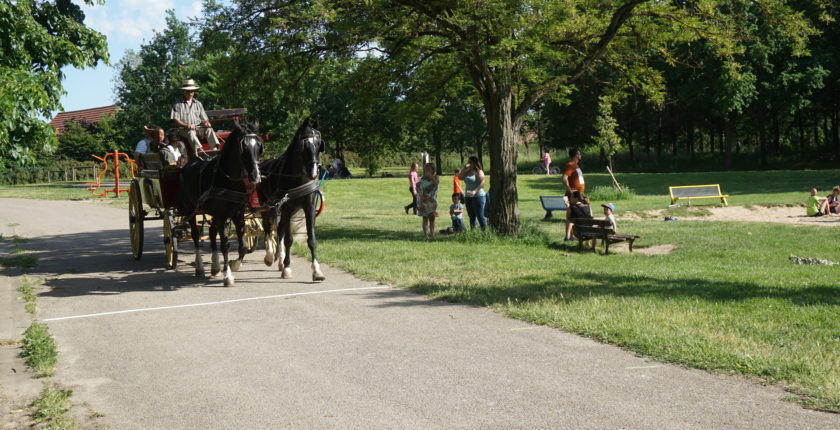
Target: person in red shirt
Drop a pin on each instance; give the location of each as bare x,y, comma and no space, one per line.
573,180
458,184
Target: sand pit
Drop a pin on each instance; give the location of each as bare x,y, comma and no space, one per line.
783,215
656,249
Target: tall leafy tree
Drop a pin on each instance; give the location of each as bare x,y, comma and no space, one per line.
37,39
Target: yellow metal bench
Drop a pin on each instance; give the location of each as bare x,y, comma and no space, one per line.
697,192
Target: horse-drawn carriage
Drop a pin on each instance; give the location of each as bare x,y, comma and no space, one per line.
226,191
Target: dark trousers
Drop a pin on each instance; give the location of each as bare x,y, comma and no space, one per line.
475,210
458,224
413,204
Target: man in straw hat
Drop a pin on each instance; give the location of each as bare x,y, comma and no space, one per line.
188,114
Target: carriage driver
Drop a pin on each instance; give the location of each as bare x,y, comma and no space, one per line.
188,114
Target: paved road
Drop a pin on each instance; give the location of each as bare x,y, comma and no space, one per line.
272,353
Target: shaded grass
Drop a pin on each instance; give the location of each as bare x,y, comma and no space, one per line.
39,350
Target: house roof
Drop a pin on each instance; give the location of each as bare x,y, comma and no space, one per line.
90,116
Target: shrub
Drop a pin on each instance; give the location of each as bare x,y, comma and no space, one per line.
606,193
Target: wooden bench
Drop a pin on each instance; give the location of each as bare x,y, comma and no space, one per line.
586,229
697,192
553,203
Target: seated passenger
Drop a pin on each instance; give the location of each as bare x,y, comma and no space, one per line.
192,122
152,142
174,153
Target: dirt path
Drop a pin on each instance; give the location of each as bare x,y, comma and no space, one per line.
149,348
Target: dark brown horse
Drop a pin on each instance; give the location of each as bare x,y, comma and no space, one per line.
216,188
289,184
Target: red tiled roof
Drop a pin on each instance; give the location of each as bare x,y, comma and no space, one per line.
91,116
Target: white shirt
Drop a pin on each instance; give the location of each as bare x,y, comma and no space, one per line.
142,146
176,153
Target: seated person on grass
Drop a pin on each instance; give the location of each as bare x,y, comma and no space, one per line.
815,206
833,201
456,212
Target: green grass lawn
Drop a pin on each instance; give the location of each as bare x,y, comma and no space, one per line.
725,299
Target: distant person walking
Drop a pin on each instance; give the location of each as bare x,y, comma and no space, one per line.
573,180
412,188
427,195
473,176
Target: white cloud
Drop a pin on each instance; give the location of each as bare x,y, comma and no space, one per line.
129,22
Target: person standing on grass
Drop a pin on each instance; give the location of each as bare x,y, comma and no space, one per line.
546,160
458,185
427,194
473,176
412,188
573,181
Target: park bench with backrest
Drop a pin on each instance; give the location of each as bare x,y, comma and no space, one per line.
689,192
553,203
587,229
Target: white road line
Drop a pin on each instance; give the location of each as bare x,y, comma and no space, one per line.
213,303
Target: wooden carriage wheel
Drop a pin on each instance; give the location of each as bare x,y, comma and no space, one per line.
135,219
170,241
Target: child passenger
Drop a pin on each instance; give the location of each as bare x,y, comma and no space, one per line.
427,194
456,212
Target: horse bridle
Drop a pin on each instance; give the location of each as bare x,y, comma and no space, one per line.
243,171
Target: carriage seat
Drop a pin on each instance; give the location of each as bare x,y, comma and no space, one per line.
152,165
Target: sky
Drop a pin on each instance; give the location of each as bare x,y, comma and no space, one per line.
127,24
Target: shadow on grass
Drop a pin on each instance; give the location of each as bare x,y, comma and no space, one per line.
571,287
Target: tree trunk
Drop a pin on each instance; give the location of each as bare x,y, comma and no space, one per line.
479,150
762,143
504,201
712,134
777,139
801,126
436,140
673,126
647,132
729,140
628,134
659,135
835,133
690,141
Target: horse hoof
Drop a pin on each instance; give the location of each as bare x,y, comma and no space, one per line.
229,282
318,277
235,264
268,260
199,273
287,273
214,270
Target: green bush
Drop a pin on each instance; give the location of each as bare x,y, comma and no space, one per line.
39,351
607,193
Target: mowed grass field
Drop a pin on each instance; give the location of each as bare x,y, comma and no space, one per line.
726,298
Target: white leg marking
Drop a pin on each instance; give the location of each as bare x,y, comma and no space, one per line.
229,282
215,266
287,273
317,275
270,250
199,265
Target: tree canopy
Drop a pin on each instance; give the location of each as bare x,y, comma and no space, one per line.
37,39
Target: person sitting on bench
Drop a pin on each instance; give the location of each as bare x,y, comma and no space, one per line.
579,206
833,201
609,214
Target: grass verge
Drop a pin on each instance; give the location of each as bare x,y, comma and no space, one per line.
39,350
27,288
51,408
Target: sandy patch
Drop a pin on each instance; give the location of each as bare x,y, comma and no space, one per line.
783,215
656,249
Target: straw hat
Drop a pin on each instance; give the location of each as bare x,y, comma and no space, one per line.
189,85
